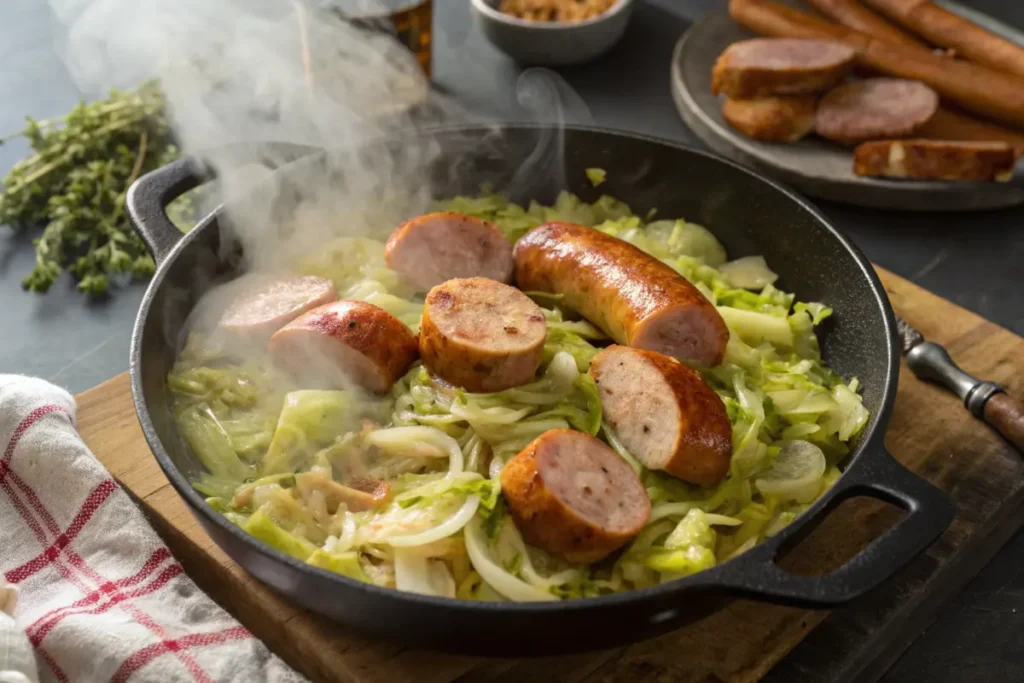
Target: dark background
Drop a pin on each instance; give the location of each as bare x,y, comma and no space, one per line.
975,260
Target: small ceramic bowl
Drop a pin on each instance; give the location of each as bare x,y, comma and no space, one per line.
552,43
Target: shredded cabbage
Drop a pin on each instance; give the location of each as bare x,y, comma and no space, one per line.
433,454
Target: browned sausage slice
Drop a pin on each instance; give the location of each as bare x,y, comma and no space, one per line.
572,495
635,298
665,413
430,249
875,108
481,335
935,160
772,119
346,341
780,66
266,306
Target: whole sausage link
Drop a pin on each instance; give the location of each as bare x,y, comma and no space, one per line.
633,297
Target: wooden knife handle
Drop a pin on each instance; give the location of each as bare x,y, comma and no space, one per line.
1006,415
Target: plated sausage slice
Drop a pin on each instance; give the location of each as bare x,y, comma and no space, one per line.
265,306
572,495
635,298
481,335
664,413
935,160
346,341
780,66
874,109
429,249
772,119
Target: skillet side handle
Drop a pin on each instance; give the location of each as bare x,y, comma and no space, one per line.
147,202
929,513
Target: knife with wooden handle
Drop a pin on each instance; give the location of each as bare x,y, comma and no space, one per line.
986,400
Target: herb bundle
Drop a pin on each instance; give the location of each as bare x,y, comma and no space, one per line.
76,182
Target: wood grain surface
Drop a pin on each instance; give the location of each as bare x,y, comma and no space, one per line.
930,432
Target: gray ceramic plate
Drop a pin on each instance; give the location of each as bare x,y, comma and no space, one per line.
813,165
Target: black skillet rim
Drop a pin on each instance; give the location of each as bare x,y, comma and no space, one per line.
869,441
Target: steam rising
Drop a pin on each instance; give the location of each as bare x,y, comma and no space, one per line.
265,81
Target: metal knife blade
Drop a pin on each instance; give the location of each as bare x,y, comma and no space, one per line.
929,361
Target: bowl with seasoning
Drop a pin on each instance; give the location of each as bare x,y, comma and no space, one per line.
553,32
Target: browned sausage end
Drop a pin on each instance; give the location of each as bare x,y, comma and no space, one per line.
482,335
772,119
780,66
264,307
430,249
572,495
665,413
935,160
633,297
346,341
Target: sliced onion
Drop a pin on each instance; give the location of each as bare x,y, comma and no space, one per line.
442,530
418,573
494,469
348,533
722,520
663,510
795,474
494,416
563,371
496,576
410,440
749,272
530,573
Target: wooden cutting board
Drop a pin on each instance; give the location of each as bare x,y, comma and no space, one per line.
930,432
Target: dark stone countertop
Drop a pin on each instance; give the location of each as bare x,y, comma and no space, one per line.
975,260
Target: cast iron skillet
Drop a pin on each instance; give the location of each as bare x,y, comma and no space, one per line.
750,215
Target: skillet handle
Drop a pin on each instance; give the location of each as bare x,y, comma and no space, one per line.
929,513
147,202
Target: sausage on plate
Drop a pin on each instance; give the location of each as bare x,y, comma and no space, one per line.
935,160
573,496
346,341
427,250
635,298
973,86
783,118
875,108
852,14
481,335
780,66
664,413
951,30
266,306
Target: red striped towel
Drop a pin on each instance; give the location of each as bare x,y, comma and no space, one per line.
99,596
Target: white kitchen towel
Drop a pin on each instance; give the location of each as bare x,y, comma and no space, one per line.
99,596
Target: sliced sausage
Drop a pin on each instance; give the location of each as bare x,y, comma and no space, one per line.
635,298
875,108
665,413
772,119
481,335
572,495
780,66
982,90
346,341
430,249
264,307
934,160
